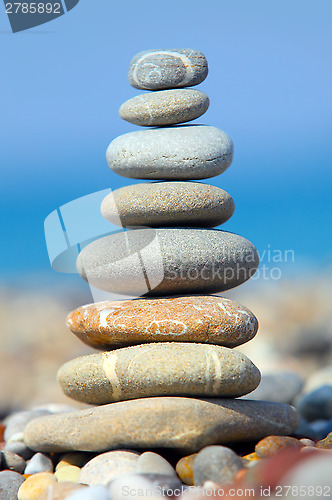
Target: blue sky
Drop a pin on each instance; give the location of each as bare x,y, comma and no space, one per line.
269,86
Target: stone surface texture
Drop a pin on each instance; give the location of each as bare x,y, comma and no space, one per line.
168,261
158,69
184,424
185,152
197,318
168,107
159,204
170,369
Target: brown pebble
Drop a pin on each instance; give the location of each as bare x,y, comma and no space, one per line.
198,318
185,470
326,443
273,444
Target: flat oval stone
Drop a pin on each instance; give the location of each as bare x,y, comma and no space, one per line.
158,69
203,319
184,424
160,369
184,152
162,204
168,261
167,107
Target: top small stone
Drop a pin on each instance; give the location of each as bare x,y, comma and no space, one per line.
159,69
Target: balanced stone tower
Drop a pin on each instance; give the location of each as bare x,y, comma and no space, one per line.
168,376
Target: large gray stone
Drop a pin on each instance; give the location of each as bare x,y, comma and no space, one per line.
168,261
171,369
158,69
184,152
192,318
184,424
168,107
159,204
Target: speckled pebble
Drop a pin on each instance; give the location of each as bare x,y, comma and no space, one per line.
20,449
185,152
273,444
162,204
152,463
203,319
107,466
185,469
168,107
184,424
158,69
158,369
168,261
11,461
39,463
216,463
326,443
316,404
36,485
70,474
10,483
156,484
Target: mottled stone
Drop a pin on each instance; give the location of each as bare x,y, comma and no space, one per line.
158,69
185,424
10,483
216,463
9,460
271,445
168,261
186,152
279,387
162,204
108,466
325,444
39,463
168,107
185,469
203,319
152,463
159,369
36,485
316,404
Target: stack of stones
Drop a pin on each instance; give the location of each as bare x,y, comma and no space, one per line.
168,376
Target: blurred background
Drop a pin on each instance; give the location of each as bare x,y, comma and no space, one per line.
269,86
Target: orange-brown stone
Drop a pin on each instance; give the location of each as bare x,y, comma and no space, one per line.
197,318
273,444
